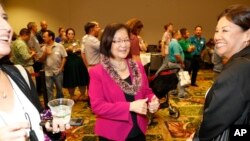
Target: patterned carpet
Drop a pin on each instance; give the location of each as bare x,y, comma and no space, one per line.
163,127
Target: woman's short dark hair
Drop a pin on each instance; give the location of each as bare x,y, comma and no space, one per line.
108,36
238,14
60,28
68,29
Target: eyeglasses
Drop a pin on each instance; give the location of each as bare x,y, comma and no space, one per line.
121,41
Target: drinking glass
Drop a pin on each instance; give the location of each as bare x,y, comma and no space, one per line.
61,109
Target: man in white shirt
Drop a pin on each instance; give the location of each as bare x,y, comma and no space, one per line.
166,38
91,44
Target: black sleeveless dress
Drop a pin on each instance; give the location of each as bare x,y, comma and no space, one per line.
75,72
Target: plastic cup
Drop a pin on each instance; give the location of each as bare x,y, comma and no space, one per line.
61,110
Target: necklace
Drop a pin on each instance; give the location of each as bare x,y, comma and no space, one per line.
128,88
2,92
31,132
119,66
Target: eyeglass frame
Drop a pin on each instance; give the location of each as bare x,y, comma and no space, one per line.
121,41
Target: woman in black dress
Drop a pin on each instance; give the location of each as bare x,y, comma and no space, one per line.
75,71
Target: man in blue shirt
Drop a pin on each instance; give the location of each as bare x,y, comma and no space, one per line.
199,42
176,59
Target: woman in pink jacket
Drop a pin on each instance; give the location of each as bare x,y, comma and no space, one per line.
119,92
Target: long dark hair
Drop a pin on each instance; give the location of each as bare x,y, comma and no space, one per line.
134,25
108,36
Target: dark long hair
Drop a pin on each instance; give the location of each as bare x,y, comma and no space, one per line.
134,25
108,36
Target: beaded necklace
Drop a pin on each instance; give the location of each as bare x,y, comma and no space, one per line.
125,86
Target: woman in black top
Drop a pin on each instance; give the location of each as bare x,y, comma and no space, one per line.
227,101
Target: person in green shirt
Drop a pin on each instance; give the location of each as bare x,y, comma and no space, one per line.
21,54
187,47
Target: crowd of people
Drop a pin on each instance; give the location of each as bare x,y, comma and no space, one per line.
66,60
110,68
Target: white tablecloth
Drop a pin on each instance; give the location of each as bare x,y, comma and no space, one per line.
145,58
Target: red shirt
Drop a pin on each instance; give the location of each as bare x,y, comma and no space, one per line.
135,47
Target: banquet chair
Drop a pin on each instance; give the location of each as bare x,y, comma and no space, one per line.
152,48
155,63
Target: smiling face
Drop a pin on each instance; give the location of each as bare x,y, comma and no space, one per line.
70,35
121,44
5,34
47,38
229,38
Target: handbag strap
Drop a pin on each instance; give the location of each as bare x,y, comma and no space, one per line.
23,73
29,90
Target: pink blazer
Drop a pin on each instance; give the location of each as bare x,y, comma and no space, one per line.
108,102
